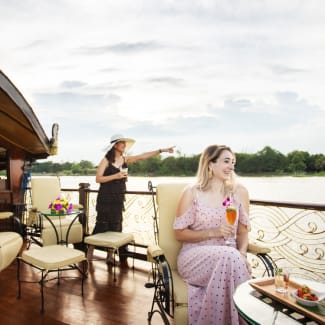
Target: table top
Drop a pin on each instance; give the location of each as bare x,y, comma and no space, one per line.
49,213
258,309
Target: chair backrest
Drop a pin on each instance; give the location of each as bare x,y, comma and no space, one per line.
44,191
10,245
168,196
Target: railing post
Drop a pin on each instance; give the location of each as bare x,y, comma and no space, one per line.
84,200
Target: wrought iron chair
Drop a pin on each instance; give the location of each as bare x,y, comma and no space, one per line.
56,258
45,231
111,241
170,295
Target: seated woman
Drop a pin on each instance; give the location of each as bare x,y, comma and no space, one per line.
211,266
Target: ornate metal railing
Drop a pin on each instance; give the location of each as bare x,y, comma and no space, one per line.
295,232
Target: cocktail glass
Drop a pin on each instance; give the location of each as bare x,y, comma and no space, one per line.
231,215
124,170
281,280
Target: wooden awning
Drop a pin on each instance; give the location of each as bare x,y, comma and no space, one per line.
19,126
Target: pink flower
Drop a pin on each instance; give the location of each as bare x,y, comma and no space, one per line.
226,202
69,209
58,207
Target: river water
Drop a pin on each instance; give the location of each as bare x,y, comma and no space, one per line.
291,189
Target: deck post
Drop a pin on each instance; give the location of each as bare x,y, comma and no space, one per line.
84,189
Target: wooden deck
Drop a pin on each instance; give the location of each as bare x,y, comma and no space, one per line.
123,302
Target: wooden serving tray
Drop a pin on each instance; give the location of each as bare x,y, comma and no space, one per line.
267,287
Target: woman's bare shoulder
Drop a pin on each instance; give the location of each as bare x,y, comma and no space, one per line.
103,161
241,190
189,190
186,199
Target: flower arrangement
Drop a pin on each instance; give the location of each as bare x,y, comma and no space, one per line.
226,202
60,206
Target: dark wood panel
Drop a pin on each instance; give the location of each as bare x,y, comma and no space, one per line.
5,200
9,107
19,135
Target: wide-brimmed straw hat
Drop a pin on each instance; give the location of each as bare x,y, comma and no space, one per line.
118,138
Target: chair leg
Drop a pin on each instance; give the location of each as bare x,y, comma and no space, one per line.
83,275
83,271
133,255
18,278
114,264
42,290
58,277
90,252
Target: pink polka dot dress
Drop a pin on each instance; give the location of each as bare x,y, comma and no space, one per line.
211,269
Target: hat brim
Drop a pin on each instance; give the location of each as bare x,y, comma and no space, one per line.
128,144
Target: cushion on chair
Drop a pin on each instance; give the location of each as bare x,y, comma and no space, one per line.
180,315
48,233
5,215
256,249
53,257
180,289
10,245
167,198
77,206
111,239
44,191
154,251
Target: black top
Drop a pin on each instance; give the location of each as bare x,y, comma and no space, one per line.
113,191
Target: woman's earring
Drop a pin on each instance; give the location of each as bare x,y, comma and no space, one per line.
210,172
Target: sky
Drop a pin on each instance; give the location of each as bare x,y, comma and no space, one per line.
245,73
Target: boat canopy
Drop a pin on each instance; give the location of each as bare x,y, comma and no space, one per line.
22,141
19,126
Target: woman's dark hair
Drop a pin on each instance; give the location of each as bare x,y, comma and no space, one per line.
110,155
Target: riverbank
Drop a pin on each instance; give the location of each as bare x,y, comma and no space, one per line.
69,173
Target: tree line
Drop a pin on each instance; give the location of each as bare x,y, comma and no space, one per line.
265,161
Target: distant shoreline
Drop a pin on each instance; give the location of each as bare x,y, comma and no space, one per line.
322,174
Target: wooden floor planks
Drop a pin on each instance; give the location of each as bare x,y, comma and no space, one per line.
123,302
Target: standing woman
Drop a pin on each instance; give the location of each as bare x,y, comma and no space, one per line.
211,266
111,175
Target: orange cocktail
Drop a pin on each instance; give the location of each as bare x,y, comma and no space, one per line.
231,215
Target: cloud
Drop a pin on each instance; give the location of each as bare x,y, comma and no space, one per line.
171,81
285,109
73,101
34,44
285,70
76,111
72,84
191,73
120,48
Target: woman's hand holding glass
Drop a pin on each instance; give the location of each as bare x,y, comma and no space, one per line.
226,230
123,173
231,215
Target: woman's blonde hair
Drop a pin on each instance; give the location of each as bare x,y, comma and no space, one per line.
211,154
